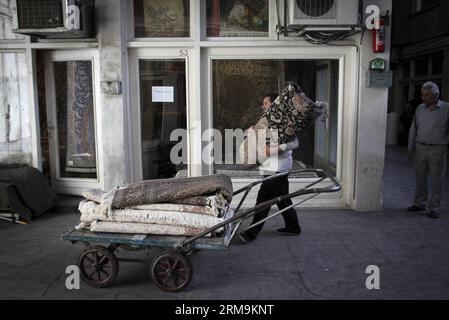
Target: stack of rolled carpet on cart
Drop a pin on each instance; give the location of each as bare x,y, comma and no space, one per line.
178,207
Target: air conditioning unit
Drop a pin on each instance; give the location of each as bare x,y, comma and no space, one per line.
323,12
54,19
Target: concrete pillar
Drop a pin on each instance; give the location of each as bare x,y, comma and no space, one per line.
372,125
109,19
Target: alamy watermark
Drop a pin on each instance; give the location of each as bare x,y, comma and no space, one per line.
373,281
373,20
227,146
72,282
73,21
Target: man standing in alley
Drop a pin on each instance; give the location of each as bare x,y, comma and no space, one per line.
428,146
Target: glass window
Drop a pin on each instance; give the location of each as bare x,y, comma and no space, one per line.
163,109
75,118
406,70
239,87
161,18
405,94
237,18
437,65
6,20
421,68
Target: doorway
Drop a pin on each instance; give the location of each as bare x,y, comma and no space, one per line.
239,85
159,113
71,101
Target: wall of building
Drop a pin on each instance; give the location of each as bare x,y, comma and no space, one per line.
416,37
371,128
110,15
15,126
368,121
6,21
409,28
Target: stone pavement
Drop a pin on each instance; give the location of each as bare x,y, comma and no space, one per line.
328,261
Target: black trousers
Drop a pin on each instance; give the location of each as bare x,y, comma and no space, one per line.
269,190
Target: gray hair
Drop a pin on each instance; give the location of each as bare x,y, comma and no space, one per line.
432,86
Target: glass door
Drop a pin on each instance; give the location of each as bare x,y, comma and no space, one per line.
237,83
326,128
238,88
71,114
163,110
159,114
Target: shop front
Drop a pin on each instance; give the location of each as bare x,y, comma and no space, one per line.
209,80
164,88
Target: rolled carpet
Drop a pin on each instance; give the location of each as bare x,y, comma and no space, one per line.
89,213
141,228
190,191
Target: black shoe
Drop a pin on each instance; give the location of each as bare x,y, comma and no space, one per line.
288,232
244,239
415,209
433,215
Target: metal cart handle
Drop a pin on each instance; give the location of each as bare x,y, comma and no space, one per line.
335,187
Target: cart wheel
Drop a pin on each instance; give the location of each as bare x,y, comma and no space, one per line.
171,272
98,267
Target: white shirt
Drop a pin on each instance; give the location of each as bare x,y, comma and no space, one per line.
281,162
430,127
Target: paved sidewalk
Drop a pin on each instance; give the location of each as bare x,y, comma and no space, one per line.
328,261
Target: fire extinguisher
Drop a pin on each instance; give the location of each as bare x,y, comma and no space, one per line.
379,37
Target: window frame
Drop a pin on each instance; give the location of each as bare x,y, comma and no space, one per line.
271,26
131,27
413,80
134,121
282,54
198,28
200,80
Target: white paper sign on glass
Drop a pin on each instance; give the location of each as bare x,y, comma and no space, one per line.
163,94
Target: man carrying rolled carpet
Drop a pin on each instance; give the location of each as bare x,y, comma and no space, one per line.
279,159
